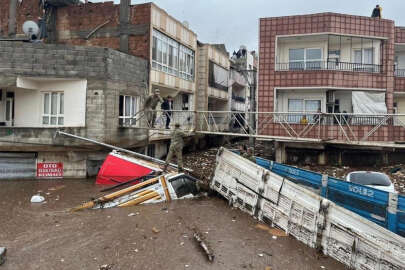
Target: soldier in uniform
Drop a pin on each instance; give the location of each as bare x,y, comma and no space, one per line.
176,146
150,106
249,155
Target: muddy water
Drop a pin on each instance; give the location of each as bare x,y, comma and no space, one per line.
46,236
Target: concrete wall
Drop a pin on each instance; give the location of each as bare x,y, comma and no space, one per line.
29,101
27,108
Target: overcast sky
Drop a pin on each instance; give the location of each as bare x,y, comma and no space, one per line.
235,22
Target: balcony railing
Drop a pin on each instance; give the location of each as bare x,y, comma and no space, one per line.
329,65
399,73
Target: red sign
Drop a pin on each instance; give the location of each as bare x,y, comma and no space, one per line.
50,169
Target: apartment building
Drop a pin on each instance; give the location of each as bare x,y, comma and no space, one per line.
213,83
331,63
244,70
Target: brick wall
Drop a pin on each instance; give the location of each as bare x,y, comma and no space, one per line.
399,34
4,10
140,45
322,23
74,23
399,84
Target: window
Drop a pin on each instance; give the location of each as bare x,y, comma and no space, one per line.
310,58
364,58
184,185
171,57
53,110
297,58
301,106
187,63
218,77
313,58
128,107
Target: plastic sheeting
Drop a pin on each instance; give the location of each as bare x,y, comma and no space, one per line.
368,102
218,77
236,77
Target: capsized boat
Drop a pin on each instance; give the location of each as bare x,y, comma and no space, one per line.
120,168
161,188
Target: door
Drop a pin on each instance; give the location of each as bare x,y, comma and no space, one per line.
14,165
9,109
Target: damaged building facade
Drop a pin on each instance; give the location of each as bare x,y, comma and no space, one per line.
76,89
91,75
72,86
336,64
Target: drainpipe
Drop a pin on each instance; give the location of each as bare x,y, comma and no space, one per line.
12,18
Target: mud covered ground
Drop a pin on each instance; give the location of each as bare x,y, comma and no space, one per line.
159,236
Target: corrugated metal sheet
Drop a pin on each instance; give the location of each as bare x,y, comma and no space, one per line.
17,165
316,221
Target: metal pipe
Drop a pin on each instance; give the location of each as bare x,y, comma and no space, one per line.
118,149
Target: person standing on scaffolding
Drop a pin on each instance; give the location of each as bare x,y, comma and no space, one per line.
176,146
150,105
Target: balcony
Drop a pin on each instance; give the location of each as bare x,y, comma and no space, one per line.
399,73
330,65
329,52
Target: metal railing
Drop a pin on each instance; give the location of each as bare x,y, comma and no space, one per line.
329,65
297,126
399,72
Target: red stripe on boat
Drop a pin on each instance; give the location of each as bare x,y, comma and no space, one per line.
116,170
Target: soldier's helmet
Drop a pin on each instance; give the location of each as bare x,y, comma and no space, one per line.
157,91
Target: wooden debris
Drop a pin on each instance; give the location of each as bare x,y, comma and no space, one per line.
272,231
200,240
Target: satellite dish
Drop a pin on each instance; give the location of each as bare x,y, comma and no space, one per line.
30,28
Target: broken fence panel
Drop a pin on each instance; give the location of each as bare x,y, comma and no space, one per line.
313,220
